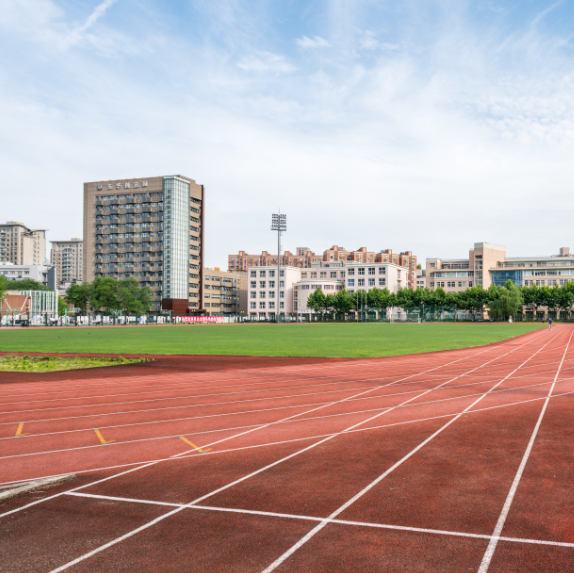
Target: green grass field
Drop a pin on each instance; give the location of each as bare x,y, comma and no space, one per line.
326,340
16,363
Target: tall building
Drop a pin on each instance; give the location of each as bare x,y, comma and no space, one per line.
224,292
21,245
67,258
305,258
150,229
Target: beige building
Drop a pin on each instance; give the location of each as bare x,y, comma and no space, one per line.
457,275
150,229
305,258
21,245
67,258
224,292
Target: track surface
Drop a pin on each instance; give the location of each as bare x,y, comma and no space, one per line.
454,461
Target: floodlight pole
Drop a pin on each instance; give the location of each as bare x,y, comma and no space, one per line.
279,224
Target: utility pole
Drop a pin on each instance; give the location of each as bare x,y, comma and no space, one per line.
279,224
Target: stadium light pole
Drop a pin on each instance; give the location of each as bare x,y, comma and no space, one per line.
279,224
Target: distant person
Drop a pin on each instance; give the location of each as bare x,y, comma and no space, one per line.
550,323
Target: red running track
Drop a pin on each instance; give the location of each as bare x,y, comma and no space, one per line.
453,461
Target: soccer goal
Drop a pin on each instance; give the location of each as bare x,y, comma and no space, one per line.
404,317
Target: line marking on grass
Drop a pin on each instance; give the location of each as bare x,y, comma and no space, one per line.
103,441
19,433
201,451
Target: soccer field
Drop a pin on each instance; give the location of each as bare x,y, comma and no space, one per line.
323,340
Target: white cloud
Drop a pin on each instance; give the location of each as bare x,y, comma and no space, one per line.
310,43
369,41
265,62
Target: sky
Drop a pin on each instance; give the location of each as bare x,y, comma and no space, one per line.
421,125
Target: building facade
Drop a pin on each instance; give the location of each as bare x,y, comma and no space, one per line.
224,293
39,273
456,275
150,229
296,284
305,258
540,271
67,258
21,245
421,278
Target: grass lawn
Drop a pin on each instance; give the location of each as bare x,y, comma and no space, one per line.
56,363
328,340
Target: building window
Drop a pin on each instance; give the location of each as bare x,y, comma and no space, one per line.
253,284
313,275
271,294
261,273
261,284
382,282
323,275
282,294
271,284
351,272
371,270
271,305
303,275
262,305
351,282
253,274
333,275
253,305
252,294
361,271
371,282
262,294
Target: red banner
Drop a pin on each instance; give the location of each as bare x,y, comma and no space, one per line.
202,318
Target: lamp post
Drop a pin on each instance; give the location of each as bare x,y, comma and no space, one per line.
279,224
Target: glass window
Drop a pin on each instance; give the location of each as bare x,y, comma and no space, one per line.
271,305
253,305
271,284
382,282
271,294
382,270
261,284
253,274
253,294
261,305
351,282
261,273
371,282
361,271
313,275
262,294
371,270
323,275
303,275
271,273
361,282
282,294
351,272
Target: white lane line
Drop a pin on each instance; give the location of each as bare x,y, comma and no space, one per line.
149,464
282,442
319,519
248,476
287,421
281,559
489,553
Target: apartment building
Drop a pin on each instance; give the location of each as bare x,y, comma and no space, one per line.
421,278
224,293
67,258
21,245
455,275
150,229
305,258
297,284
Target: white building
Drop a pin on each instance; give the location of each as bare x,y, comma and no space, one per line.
296,284
40,273
21,245
67,257
421,278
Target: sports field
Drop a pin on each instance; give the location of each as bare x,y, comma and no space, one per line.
437,463
324,340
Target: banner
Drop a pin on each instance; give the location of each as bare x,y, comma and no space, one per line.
202,318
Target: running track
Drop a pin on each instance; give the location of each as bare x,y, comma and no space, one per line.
453,461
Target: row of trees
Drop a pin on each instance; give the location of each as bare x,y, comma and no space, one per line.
108,295
501,301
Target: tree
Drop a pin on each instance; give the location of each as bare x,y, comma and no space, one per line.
3,288
104,294
62,306
506,300
342,302
27,284
131,297
379,300
79,295
316,301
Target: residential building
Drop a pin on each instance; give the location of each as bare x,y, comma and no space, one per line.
224,292
21,245
305,258
455,275
541,271
150,229
39,273
297,284
67,258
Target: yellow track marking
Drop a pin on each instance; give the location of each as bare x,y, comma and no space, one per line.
101,438
19,433
201,451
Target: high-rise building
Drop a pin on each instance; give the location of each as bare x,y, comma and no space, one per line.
21,245
305,258
67,258
150,229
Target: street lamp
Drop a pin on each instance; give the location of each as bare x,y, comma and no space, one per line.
279,224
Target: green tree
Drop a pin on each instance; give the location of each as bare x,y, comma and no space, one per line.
316,301
130,297
62,306
505,301
79,295
104,295
3,288
27,284
342,302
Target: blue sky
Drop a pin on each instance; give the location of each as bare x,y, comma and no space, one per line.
417,125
